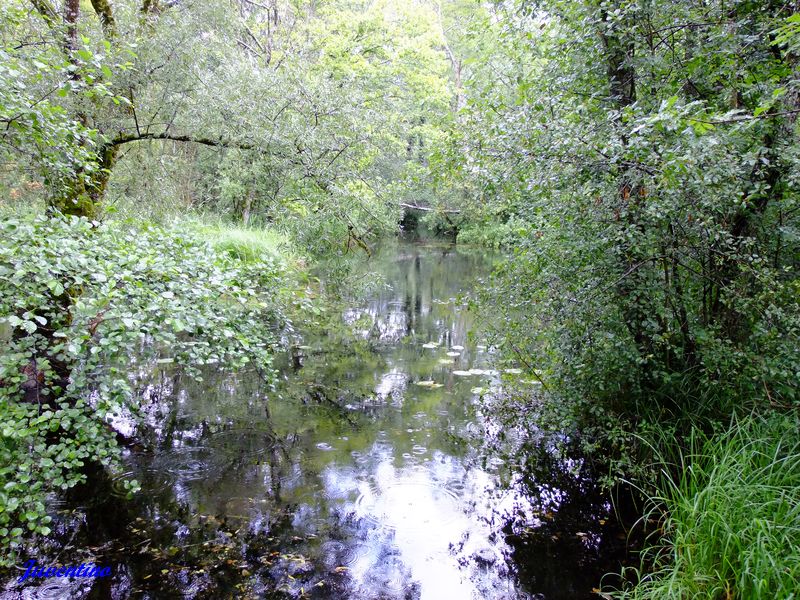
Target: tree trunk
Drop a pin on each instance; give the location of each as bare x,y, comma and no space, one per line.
248,204
82,195
72,10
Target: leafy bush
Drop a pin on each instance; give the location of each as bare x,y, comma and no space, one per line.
493,234
657,279
81,302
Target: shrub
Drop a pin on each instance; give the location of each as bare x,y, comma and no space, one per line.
81,302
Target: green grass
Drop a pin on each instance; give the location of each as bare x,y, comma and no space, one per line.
732,517
249,244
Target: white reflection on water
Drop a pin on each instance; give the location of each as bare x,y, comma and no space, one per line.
392,383
420,529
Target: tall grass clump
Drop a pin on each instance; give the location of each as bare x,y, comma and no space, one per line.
247,244
731,517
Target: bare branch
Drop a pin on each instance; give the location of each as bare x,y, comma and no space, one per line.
450,211
745,118
217,143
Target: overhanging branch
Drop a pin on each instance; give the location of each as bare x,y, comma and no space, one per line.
449,211
215,142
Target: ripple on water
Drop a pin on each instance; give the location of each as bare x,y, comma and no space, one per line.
152,479
118,482
396,581
338,554
244,508
325,446
359,457
410,505
388,578
456,487
189,463
242,441
57,588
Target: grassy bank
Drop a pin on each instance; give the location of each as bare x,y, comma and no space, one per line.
730,517
248,244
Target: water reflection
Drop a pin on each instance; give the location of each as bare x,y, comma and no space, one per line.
358,477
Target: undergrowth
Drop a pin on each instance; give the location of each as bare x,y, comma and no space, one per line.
730,517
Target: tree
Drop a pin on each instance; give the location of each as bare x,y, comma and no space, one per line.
317,105
649,149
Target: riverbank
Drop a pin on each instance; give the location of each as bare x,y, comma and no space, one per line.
728,514
85,305
715,466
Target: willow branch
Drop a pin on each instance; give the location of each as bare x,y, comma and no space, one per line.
451,211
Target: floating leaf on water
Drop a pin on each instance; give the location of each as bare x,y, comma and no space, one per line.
463,373
513,371
430,384
457,347
454,354
165,361
477,372
446,361
478,390
430,345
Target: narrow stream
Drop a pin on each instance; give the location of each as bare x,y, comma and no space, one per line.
361,476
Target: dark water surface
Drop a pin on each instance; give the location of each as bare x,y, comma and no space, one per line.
363,475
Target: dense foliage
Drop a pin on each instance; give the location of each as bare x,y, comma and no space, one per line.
314,117
86,302
640,160
645,157
637,158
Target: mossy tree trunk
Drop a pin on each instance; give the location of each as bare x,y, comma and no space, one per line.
82,195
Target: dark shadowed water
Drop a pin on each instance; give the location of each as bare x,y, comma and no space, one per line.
364,474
